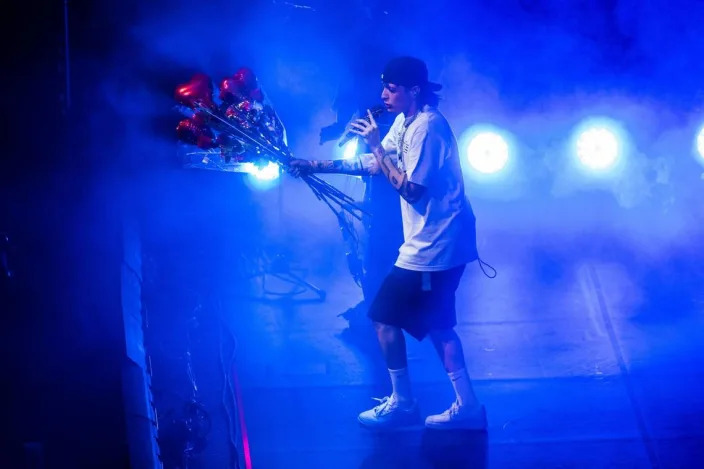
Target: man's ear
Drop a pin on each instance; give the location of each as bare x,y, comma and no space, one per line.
415,91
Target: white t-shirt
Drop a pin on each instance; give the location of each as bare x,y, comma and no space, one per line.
439,229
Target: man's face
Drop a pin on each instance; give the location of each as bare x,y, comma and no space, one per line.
397,98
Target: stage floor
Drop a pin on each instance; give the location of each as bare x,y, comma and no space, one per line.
582,359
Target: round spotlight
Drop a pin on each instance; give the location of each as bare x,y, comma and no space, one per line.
350,149
487,152
268,172
598,148
700,143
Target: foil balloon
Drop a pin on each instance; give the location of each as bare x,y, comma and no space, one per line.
229,90
246,79
206,142
200,119
196,92
245,129
257,95
190,132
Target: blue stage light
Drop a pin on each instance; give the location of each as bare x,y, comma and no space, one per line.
601,145
598,148
267,172
488,152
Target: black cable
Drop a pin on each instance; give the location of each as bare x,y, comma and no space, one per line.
481,266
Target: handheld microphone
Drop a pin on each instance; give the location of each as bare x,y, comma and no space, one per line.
376,112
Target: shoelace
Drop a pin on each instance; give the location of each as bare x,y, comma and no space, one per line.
453,410
384,406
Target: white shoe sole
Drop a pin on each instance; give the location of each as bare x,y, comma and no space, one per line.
413,421
479,423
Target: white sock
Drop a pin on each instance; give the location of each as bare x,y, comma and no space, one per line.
401,383
463,387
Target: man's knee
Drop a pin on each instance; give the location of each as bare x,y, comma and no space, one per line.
442,335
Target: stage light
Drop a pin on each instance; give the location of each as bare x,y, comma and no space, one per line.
488,152
268,172
599,143
598,148
700,142
350,149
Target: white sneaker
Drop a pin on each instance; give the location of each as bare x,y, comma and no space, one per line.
459,417
390,413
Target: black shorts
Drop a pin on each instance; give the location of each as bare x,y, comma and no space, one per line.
417,301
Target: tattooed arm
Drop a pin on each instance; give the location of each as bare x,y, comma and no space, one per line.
409,191
352,166
360,165
369,130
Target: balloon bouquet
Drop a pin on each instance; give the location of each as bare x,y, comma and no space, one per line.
241,128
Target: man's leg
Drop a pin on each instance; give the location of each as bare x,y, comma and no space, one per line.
400,408
466,412
449,347
393,347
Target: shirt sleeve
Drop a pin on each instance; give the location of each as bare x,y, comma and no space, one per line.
370,164
424,150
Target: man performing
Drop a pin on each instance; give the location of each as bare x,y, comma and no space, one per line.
418,295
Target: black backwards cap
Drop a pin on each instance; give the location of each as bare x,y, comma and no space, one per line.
408,71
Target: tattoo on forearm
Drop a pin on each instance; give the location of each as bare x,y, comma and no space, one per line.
398,179
338,166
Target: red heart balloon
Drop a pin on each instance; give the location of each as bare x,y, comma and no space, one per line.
195,92
257,95
190,132
206,142
200,119
246,79
229,90
187,131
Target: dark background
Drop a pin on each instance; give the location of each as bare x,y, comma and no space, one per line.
72,167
